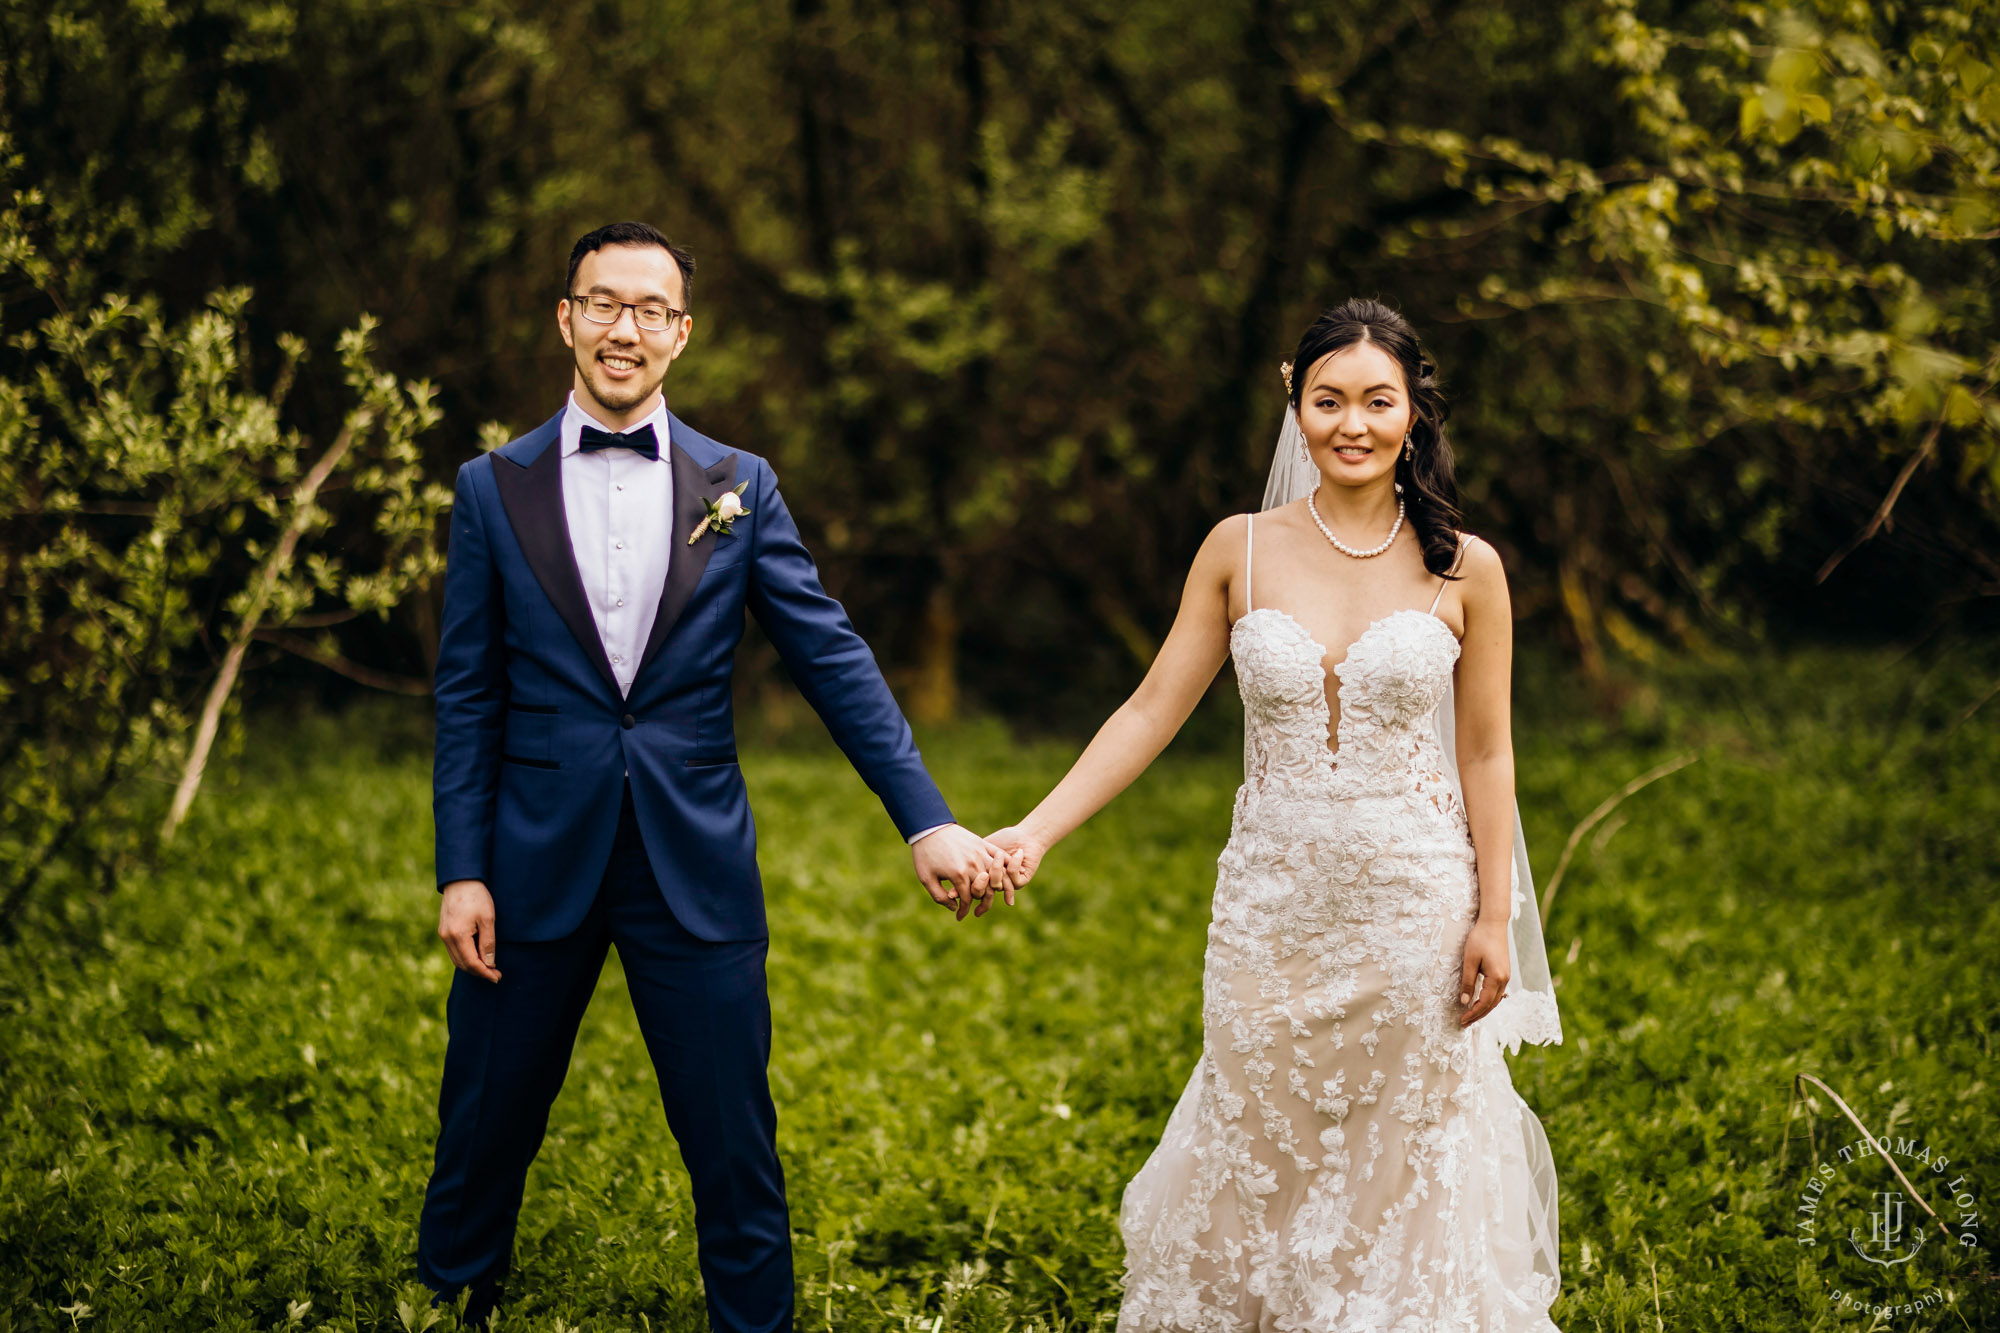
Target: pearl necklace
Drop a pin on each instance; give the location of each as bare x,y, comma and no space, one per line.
1312,508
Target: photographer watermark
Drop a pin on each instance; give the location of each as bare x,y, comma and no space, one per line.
1862,1205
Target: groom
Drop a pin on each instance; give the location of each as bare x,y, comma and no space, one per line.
587,792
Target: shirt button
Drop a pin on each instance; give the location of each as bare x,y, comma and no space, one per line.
619,545
621,485
618,660
628,722
620,602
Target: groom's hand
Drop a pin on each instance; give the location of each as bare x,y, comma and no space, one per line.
971,867
465,924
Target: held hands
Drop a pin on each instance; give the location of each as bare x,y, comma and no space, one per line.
1024,855
1483,979
465,924
985,867
961,870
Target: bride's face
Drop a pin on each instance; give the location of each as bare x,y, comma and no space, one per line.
1355,412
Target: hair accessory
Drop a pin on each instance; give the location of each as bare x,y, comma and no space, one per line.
1285,369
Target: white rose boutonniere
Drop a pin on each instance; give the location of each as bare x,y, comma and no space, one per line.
723,510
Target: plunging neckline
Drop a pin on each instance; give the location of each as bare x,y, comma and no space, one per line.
1335,744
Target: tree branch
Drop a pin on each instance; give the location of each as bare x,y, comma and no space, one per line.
373,678
1881,516
1595,817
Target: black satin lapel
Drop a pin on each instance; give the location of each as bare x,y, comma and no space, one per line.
692,485
533,499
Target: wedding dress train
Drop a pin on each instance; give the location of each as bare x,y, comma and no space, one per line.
1346,1157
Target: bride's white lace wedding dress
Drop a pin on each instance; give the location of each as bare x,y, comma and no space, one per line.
1346,1157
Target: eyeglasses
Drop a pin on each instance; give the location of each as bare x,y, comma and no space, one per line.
651,317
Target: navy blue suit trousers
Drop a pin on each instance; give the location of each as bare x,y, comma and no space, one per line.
706,1018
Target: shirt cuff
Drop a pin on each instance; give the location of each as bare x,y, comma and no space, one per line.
916,838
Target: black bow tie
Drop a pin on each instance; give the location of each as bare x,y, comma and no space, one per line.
641,441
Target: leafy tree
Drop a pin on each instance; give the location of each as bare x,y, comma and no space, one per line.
1798,214
152,502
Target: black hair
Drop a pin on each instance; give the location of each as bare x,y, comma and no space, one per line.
1426,473
631,233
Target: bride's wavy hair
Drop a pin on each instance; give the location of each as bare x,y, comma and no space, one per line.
1428,477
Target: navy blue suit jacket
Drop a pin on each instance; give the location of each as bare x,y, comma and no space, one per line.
534,742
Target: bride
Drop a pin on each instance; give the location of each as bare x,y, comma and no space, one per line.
1350,1153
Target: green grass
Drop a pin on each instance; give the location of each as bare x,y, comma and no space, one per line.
217,1086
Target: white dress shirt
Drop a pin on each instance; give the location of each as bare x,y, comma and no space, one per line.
619,506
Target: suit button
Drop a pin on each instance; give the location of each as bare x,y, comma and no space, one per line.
628,722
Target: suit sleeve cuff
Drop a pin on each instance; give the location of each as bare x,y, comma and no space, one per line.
454,874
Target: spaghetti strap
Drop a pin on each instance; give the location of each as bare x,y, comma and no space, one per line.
1249,545
1459,559
1456,558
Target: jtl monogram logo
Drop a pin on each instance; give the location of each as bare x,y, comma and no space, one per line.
1885,1233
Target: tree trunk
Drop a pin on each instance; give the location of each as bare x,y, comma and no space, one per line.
935,702
246,628
1582,615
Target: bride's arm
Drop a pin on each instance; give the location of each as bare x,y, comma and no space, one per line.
1134,735
1485,743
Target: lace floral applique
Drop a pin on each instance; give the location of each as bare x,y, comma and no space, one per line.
1346,1158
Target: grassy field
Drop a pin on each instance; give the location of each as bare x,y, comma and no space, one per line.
217,1088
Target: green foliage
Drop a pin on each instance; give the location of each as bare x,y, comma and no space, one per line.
220,1114
1002,288
1803,202
150,498
298,148
1015,280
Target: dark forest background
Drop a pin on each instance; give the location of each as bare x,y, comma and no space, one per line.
1002,286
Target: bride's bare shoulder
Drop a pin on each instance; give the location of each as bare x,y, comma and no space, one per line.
1479,568
1477,557
1222,550
1285,518
1235,532
1240,539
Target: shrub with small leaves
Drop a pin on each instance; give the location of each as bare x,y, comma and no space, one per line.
155,504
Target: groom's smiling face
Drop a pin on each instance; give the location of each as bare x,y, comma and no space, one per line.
620,366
